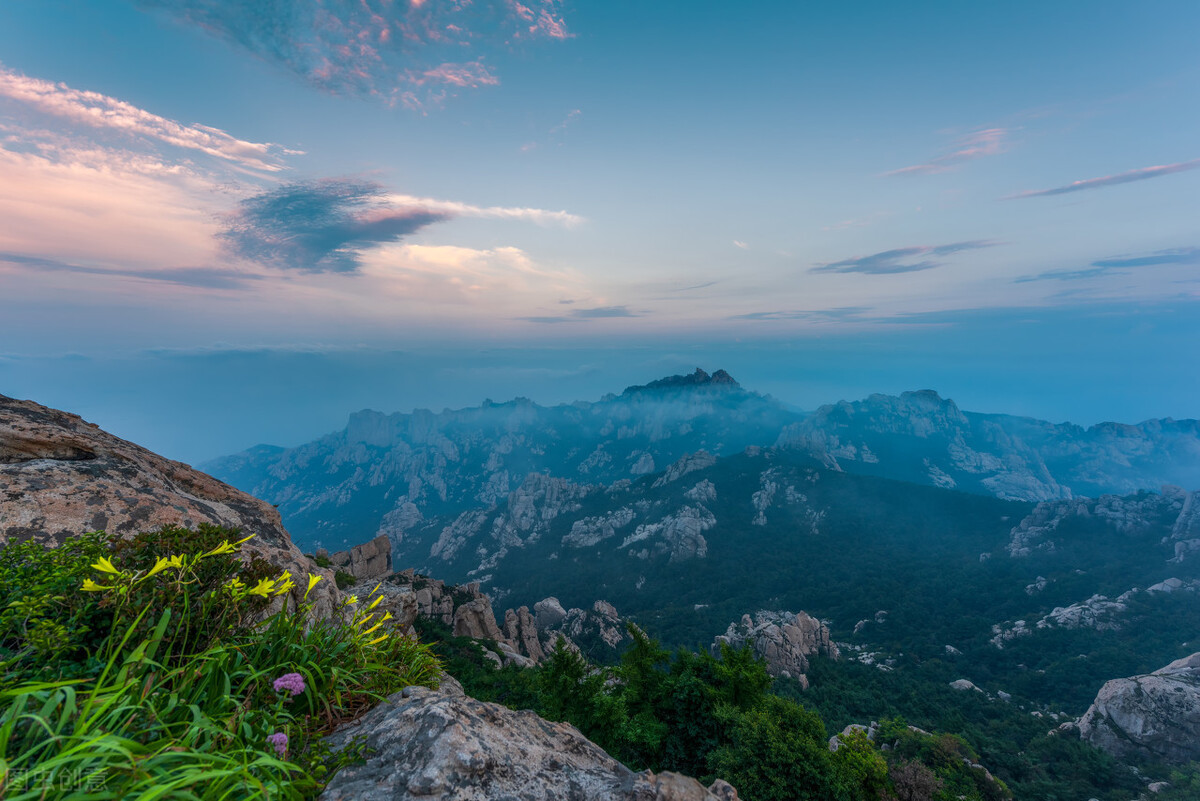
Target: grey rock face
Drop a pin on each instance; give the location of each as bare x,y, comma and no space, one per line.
549,613
520,628
429,745
785,640
367,561
62,476
1155,715
476,619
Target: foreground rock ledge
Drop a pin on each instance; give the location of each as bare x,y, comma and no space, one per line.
433,745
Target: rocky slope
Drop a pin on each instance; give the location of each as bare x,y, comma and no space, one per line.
924,438
443,746
1155,715
61,476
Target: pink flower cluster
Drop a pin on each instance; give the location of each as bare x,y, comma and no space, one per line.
279,740
289,682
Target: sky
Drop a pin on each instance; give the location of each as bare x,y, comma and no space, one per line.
226,223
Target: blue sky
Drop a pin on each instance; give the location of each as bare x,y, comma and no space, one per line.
225,223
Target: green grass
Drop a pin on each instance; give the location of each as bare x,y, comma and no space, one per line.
162,680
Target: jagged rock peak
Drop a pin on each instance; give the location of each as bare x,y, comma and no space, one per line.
719,379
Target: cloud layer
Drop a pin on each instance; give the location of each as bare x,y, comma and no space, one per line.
1141,174
900,260
408,52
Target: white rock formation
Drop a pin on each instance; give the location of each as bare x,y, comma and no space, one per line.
1155,715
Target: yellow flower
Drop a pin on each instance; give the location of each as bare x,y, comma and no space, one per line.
285,583
159,566
350,600
375,603
105,565
313,578
224,547
368,631
263,588
176,561
91,586
380,638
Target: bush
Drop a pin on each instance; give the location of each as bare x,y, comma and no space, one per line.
195,696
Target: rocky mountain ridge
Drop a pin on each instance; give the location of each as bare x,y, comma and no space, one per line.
924,438
388,474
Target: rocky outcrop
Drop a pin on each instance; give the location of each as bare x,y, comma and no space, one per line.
521,628
1155,715
598,632
61,476
424,744
1125,513
475,619
592,530
783,639
370,560
679,536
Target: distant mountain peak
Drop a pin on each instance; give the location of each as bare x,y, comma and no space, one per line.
697,379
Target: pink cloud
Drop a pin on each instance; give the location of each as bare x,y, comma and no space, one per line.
375,47
100,111
985,142
468,75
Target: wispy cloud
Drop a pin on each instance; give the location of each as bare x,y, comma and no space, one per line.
577,315
554,135
977,144
1141,174
1118,265
321,226
900,260
605,311
379,48
99,111
737,243
201,277
837,315
457,209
